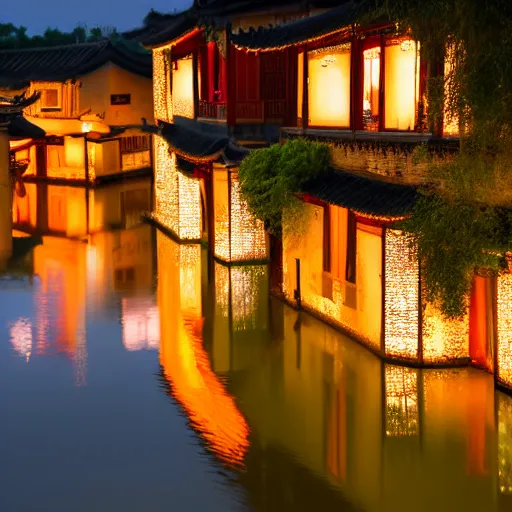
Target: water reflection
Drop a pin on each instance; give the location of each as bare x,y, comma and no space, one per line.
284,412
96,258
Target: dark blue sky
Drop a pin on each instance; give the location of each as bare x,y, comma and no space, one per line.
37,15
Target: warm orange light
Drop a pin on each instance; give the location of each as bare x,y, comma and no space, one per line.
211,410
371,87
504,319
183,88
401,296
329,86
401,74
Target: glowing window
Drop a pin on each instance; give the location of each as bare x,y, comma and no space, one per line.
401,84
183,88
329,86
371,86
50,99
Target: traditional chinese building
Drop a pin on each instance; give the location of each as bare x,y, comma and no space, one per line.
92,99
361,90
12,127
200,74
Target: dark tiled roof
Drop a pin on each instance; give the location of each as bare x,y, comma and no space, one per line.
363,195
299,31
163,28
20,128
195,141
60,63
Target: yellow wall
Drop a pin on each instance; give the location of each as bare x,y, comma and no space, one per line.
67,161
110,79
67,211
5,200
365,318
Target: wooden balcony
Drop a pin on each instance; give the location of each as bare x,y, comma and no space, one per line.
213,110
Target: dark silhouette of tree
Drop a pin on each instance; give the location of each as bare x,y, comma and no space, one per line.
12,36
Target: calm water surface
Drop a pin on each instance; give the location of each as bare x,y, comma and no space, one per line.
136,375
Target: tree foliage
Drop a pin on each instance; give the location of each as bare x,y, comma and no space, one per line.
12,37
270,179
453,239
459,229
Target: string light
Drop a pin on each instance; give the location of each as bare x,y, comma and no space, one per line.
244,239
402,415
162,99
504,444
136,160
504,327
177,197
401,296
91,160
339,31
166,188
248,238
443,340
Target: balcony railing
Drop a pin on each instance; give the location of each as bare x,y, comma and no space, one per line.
213,110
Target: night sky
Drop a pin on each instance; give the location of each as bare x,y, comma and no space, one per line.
37,15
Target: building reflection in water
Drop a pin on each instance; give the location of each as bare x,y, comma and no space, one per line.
96,258
315,420
186,368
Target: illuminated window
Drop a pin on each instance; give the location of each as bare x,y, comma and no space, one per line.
183,88
329,86
371,89
300,87
401,84
50,99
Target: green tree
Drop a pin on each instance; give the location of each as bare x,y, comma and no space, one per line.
271,178
463,222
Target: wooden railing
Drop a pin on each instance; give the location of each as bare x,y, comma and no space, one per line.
213,110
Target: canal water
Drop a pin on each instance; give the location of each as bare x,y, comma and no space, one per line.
138,375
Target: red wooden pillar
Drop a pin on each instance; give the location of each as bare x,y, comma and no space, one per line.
211,50
223,79
356,86
291,86
382,84
359,48
231,83
481,319
305,92
203,72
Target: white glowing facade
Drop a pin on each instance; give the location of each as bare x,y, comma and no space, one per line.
177,196
238,235
162,99
401,297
